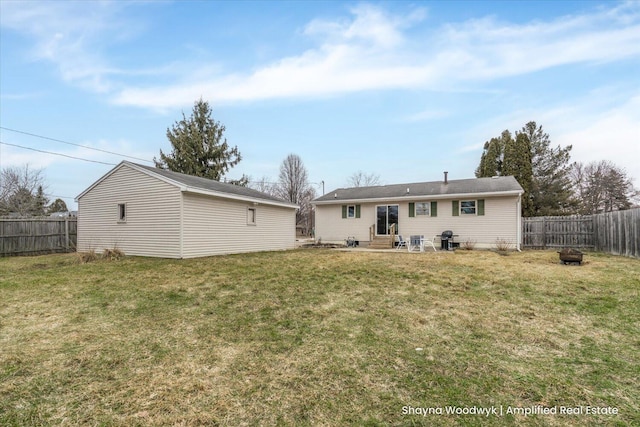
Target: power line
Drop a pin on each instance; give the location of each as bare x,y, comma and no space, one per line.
57,154
74,144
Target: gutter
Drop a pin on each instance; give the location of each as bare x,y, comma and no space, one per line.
420,197
253,200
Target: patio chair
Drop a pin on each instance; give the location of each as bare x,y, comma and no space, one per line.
429,242
415,242
401,242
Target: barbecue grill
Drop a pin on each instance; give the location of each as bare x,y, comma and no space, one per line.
446,240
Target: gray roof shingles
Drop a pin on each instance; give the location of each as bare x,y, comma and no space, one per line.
211,185
419,189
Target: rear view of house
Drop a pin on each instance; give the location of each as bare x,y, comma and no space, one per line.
147,211
480,211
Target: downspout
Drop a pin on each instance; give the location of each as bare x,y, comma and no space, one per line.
519,221
181,223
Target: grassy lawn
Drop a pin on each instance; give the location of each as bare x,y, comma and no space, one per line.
318,337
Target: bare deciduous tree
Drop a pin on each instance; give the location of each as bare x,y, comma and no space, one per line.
361,179
602,187
293,186
264,185
22,191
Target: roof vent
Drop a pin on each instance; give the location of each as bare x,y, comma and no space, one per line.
407,190
446,180
335,195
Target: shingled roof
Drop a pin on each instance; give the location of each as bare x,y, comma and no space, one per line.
506,185
203,185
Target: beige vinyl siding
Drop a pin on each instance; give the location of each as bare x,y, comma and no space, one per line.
500,220
331,227
214,226
152,226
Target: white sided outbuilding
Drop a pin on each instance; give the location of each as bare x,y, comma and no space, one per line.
147,211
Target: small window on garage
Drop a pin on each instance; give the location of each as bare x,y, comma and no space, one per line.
251,216
122,212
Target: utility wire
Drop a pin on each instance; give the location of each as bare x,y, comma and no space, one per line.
57,154
77,145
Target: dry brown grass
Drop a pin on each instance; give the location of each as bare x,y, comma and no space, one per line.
317,337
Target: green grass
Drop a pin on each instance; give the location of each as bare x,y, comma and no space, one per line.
318,337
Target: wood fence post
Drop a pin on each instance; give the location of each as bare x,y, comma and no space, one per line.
66,234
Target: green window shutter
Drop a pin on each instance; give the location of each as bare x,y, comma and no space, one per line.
344,211
434,208
357,211
481,207
455,208
412,210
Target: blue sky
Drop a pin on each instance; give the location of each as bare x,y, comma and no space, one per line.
405,90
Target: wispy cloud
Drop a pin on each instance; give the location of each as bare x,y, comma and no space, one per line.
71,35
370,51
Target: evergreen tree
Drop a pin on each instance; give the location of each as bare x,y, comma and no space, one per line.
517,162
542,171
39,202
551,186
491,160
199,147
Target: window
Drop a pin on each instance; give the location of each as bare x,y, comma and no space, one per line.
422,209
350,211
251,216
468,207
122,212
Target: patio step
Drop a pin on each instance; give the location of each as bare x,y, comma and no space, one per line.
381,242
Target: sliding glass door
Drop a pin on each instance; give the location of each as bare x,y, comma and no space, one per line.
385,217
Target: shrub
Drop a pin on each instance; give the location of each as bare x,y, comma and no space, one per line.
89,256
503,245
468,245
112,254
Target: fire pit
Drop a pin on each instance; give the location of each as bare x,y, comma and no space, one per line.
568,255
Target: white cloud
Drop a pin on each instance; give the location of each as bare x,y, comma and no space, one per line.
71,35
370,26
370,51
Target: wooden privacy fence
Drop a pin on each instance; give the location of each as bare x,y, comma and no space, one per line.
618,232
36,236
558,232
613,232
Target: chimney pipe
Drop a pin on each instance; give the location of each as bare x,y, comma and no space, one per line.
446,181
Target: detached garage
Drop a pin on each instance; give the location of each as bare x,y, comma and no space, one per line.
147,211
